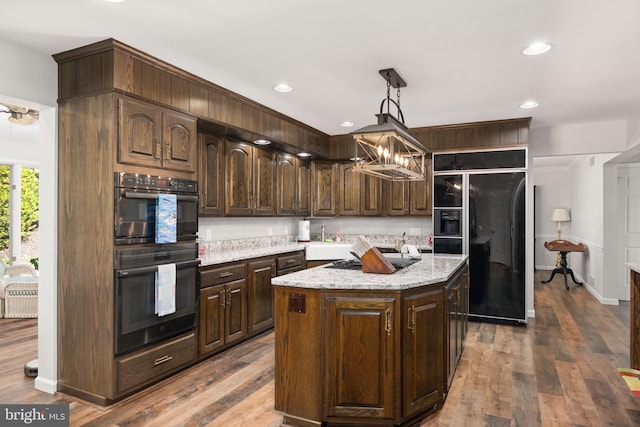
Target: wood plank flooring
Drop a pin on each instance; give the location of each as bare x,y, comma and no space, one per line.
558,371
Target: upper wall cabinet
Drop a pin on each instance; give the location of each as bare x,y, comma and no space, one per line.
250,177
360,194
211,174
420,194
293,181
325,189
150,136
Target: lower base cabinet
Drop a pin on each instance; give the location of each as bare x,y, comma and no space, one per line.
236,299
360,383
259,274
423,351
365,358
151,364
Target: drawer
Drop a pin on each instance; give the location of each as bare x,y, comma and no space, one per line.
153,363
222,274
289,262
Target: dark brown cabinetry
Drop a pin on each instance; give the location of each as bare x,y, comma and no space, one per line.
151,136
363,358
359,194
211,176
325,190
290,263
250,180
259,274
223,307
238,178
236,299
423,353
395,198
413,198
456,309
264,182
360,384
153,363
293,186
420,194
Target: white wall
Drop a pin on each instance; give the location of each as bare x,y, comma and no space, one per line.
31,81
587,225
552,191
579,138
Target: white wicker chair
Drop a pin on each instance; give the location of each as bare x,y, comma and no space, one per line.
20,270
19,292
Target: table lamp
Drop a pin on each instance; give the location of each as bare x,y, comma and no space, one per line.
560,215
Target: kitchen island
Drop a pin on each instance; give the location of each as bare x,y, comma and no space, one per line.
368,349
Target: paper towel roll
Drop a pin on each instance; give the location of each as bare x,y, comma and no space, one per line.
304,234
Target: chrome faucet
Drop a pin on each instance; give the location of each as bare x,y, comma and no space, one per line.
322,233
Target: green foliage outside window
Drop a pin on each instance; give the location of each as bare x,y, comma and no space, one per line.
30,208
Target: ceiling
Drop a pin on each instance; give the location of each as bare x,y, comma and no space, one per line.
461,59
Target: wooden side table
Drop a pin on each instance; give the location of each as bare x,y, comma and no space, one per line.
564,247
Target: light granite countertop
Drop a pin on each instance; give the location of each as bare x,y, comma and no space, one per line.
221,257
429,270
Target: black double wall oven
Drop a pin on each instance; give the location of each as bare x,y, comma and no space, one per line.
138,258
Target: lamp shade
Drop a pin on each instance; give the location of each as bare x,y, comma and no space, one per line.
561,215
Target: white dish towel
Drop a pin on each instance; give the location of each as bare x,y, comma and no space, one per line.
166,289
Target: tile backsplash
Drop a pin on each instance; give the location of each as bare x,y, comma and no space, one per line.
243,233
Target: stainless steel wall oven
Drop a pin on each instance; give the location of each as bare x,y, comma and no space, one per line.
135,207
137,323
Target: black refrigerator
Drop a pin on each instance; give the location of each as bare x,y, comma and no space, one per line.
479,210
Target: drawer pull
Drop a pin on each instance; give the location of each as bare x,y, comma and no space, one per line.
291,261
225,274
161,360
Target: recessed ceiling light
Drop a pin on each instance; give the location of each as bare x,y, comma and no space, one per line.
529,104
262,142
114,1
283,88
537,48
304,154
346,124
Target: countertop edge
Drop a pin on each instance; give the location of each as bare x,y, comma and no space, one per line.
216,258
436,269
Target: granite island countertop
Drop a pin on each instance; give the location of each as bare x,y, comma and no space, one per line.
429,270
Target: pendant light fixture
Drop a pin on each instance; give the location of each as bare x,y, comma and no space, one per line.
386,149
20,115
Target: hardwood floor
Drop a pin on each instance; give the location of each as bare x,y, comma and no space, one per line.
558,371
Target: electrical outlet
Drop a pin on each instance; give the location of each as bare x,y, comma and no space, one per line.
269,231
414,231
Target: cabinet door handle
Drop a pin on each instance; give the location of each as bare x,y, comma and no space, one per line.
225,274
158,150
222,298
229,298
388,320
161,360
167,151
412,319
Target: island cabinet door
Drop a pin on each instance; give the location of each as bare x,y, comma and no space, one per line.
423,364
359,360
